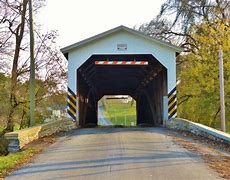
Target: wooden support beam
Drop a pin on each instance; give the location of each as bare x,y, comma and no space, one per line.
83,70
149,78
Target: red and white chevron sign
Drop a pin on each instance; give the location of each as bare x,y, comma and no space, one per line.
121,62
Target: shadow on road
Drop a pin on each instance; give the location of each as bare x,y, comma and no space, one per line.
91,153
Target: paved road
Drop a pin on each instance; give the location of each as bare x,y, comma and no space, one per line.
109,153
102,119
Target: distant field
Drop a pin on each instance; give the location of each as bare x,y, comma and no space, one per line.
120,113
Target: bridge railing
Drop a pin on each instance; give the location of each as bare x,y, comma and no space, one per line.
19,139
198,129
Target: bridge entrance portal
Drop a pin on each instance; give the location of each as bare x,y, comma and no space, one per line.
141,76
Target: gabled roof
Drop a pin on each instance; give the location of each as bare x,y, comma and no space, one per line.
117,29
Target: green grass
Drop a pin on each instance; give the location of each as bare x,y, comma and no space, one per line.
120,113
12,160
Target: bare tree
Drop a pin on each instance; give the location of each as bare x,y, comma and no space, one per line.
50,68
183,16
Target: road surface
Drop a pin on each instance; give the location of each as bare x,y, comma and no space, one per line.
116,153
102,119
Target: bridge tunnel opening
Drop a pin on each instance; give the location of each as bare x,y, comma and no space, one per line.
140,76
117,110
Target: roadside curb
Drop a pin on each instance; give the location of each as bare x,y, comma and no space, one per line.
198,129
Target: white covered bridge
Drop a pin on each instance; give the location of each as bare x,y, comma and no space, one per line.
122,61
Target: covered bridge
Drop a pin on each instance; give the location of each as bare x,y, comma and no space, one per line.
122,61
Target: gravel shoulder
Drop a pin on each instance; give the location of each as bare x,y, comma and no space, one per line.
215,154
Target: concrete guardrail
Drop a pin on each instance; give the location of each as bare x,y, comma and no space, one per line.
198,129
19,139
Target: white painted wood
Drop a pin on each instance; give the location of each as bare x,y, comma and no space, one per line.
106,43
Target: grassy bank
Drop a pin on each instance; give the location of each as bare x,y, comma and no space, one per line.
120,113
13,160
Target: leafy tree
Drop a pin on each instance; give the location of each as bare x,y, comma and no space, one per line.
4,97
199,89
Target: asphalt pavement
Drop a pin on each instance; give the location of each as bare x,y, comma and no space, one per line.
116,153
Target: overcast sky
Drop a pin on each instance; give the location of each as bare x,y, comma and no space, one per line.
76,20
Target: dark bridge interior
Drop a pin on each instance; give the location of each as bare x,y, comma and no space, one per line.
147,84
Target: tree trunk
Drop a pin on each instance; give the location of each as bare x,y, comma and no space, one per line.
19,32
24,122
